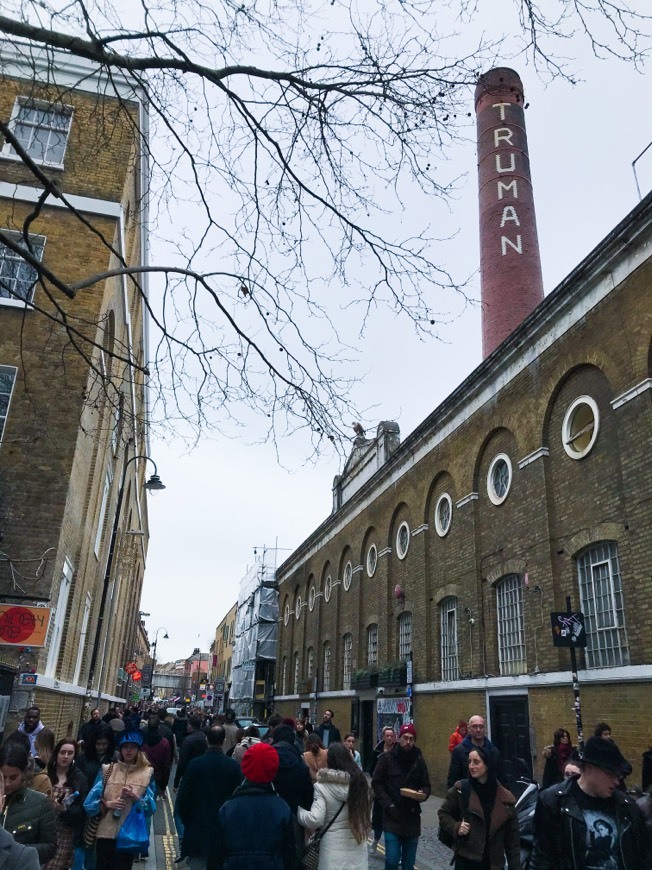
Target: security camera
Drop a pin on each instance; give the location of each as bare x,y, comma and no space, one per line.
381,690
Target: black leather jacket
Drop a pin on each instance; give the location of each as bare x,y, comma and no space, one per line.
560,832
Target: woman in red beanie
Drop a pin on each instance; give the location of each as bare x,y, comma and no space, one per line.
255,826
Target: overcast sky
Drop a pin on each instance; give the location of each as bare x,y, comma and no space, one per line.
226,497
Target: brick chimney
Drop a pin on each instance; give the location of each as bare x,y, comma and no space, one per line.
510,266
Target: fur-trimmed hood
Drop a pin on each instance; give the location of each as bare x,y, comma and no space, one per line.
334,777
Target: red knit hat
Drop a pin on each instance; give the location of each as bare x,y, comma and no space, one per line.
260,763
408,729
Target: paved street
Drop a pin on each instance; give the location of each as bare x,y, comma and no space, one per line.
431,854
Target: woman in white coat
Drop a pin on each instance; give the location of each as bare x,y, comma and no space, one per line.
340,785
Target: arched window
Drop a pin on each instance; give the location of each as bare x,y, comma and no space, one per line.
296,673
310,662
511,630
326,678
404,635
450,669
347,658
601,600
372,645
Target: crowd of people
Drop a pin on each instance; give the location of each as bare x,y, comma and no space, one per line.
252,799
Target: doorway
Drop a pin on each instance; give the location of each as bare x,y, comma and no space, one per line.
510,734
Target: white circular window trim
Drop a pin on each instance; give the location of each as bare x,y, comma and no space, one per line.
347,577
439,528
372,560
328,588
565,428
297,607
401,552
286,615
312,597
491,491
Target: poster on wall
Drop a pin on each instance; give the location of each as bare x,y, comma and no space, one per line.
23,626
392,712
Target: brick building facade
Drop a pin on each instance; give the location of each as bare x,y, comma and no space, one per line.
74,400
528,484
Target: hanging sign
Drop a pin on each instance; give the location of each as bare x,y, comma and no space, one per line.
568,629
23,626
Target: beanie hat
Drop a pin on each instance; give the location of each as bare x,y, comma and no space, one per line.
283,732
407,729
260,763
131,737
605,754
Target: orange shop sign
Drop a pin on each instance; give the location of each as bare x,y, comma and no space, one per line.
23,626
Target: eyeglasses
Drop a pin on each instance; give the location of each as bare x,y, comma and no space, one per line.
477,727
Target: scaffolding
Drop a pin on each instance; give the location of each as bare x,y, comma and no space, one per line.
255,630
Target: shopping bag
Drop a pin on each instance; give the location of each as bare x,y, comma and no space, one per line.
133,837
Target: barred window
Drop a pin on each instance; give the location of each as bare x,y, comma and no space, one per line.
511,631
310,662
601,598
326,680
404,635
7,381
17,276
372,645
296,673
450,668
347,658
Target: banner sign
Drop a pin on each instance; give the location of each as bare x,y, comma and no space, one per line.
568,629
23,626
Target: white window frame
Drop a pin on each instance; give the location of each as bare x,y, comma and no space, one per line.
347,576
450,665
600,583
7,255
326,673
12,372
443,499
402,551
297,673
372,560
492,492
347,660
512,655
58,619
310,662
566,426
106,492
372,645
82,637
21,102
405,635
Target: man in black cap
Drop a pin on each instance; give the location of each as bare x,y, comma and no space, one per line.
586,822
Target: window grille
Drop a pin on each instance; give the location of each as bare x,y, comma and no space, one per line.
404,635
450,669
42,129
310,662
372,645
296,673
7,381
17,276
327,668
347,655
511,633
601,598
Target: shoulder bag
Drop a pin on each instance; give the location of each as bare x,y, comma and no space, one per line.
442,834
93,822
311,852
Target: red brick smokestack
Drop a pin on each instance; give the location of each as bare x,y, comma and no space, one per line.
510,266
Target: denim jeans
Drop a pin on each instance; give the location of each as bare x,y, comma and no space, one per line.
84,858
403,849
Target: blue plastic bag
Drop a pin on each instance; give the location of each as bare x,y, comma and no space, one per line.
133,836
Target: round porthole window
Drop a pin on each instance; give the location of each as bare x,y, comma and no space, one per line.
499,478
402,540
328,588
372,560
297,607
580,427
348,576
443,514
312,597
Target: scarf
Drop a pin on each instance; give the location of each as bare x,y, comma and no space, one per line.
563,752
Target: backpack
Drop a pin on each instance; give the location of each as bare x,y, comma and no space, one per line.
442,835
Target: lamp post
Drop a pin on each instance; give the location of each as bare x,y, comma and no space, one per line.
153,484
165,637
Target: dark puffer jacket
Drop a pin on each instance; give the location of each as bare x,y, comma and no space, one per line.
293,781
560,831
254,832
31,821
504,838
13,856
401,815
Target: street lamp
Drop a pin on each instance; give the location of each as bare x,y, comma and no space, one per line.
153,484
165,637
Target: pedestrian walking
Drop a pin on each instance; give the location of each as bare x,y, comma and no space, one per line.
557,756
292,780
69,788
158,751
586,822
207,783
400,782
251,737
349,742
342,802
14,856
31,725
388,740
480,815
458,735
230,729
315,756
328,733
459,763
